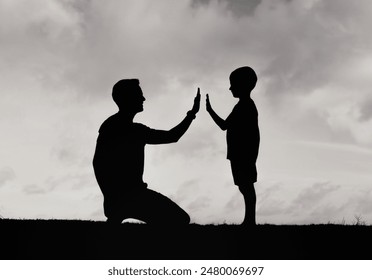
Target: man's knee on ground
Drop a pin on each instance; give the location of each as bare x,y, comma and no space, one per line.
180,218
114,220
186,219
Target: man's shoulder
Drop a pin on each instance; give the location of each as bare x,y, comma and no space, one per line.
140,126
116,123
109,123
139,129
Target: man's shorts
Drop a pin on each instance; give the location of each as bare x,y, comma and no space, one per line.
243,173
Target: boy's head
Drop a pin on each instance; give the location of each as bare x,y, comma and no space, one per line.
242,81
128,95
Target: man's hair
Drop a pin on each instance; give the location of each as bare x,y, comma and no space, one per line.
121,91
244,77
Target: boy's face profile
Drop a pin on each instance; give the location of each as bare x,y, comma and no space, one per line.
236,88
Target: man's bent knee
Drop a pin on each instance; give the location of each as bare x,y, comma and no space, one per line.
114,220
185,219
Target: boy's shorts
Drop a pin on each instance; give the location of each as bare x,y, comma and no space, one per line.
243,172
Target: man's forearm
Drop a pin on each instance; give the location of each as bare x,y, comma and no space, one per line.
180,129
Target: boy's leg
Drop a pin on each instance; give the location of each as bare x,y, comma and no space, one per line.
249,195
244,175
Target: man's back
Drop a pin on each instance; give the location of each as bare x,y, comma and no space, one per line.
119,156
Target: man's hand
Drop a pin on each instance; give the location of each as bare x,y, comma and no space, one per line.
208,104
196,106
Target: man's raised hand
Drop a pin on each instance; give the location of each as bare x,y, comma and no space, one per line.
196,106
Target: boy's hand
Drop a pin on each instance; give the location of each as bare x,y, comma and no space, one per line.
196,106
208,104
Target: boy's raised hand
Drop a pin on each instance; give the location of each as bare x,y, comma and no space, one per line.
208,104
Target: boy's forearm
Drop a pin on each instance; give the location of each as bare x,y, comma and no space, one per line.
217,119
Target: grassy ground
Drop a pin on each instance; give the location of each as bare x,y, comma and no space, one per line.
57,239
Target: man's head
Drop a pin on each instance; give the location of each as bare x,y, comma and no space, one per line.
242,81
128,95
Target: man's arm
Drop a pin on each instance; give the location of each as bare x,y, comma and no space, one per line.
217,119
174,134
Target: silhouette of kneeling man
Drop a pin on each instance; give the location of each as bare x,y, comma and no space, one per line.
119,161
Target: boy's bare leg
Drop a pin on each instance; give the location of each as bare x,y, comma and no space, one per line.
249,195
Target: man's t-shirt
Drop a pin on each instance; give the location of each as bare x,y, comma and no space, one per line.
119,156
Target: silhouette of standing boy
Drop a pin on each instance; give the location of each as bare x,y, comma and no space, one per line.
119,161
243,137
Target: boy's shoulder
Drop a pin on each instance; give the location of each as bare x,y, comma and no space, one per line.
242,113
246,106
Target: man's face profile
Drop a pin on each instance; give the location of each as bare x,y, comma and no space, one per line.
134,100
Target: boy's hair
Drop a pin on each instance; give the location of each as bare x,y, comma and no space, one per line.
244,77
121,91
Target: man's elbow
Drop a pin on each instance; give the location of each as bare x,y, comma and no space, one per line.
174,136
223,126
175,139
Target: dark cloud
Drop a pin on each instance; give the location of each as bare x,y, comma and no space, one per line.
199,204
322,215
235,203
271,207
6,174
366,110
239,8
33,190
72,180
186,189
310,198
269,204
66,155
361,202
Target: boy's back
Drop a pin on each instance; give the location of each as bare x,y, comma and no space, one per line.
243,135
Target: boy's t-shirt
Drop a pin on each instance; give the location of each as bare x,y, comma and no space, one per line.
242,134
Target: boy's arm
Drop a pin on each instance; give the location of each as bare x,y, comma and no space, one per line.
174,134
217,119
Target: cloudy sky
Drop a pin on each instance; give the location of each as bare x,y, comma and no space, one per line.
60,58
